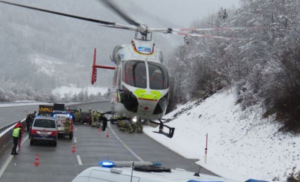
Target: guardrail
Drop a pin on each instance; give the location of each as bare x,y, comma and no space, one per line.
5,127
6,137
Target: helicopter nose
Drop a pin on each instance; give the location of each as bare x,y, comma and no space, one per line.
152,95
146,105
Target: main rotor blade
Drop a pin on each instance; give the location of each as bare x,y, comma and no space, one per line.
169,30
208,36
121,13
62,14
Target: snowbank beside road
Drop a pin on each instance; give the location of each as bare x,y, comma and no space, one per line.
71,90
241,145
20,103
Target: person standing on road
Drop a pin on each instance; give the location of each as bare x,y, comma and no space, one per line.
19,124
16,134
77,117
28,122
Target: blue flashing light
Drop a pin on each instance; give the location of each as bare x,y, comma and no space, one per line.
157,164
203,181
254,180
108,164
54,116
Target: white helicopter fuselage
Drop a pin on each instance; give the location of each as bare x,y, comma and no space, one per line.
139,97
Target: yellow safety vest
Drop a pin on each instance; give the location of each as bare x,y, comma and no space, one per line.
16,132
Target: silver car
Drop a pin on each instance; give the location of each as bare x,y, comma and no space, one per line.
44,129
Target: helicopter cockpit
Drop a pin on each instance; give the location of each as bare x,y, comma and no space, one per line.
135,74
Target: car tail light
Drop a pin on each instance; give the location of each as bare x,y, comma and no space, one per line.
54,133
33,132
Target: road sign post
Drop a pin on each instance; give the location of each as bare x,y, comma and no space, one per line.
206,148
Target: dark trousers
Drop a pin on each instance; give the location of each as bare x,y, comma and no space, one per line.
14,149
28,128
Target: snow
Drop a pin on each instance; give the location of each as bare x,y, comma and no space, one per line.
46,64
241,145
20,103
71,90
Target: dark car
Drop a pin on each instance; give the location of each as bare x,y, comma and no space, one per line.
85,118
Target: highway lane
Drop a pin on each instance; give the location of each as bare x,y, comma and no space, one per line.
60,164
12,114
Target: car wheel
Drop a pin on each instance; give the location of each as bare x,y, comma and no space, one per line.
55,144
31,142
71,135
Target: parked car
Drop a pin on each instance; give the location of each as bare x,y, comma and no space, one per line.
85,117
43,129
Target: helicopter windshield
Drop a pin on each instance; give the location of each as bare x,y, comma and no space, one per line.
135,74
158,76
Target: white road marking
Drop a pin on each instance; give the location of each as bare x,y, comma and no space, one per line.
79,160
75,140
8,160
131,151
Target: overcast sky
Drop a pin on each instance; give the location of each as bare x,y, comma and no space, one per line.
184,12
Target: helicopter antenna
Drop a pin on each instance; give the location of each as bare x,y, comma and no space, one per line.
132,171
198,173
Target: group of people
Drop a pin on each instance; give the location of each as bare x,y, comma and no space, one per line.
97,117
18,131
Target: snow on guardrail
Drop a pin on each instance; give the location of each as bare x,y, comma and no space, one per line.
14,104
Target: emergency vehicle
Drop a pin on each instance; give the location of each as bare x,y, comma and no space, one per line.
122,171
64,130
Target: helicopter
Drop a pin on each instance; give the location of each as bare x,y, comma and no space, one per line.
141,81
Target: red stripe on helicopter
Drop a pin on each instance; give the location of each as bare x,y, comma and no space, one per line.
134,48
187,29
181,33
148,99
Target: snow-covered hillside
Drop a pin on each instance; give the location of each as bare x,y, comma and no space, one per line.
71,90
241,145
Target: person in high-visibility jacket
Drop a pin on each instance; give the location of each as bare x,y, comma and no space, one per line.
77,117
19,124
93,116
16,134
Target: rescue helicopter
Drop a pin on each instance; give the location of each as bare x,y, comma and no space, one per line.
141,81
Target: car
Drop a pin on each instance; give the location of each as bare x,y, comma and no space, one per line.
61,118
44,129
85,117
72,109
121,171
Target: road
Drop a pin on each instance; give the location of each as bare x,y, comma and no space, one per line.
11,114
60,164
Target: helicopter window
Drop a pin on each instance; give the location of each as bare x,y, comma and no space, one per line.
158,77
135,74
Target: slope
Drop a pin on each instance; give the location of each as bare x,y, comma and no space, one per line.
241,145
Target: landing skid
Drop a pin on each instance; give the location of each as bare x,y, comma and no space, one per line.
161,125
161,129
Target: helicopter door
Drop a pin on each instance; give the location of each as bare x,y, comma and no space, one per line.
115,78
119,77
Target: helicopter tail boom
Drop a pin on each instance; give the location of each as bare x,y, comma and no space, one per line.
94,68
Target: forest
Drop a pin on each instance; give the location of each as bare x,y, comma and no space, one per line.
261,61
